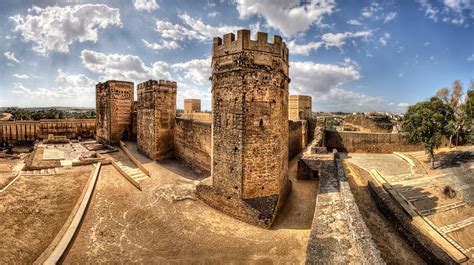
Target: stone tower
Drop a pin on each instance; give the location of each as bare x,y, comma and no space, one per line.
249,127
192,105
299,107
156,117
114,103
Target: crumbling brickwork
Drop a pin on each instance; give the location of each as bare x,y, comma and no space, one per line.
114,102
299,107
250,127
192,105
156,118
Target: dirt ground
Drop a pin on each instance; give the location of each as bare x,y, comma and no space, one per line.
393,248
34,209
165,223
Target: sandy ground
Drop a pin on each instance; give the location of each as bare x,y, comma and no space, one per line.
165,223
393,248
34,209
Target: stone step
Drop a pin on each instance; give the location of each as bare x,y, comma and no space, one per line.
456,226
442,208
143,177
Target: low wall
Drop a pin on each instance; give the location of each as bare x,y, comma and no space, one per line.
297,137
14,132
338,232
192,143
358,142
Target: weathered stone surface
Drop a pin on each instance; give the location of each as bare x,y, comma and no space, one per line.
192,143
368,142
22,132
156,118
338,233
298,137
299,107
114,101
250,123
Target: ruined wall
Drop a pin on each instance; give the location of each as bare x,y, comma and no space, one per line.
15,132
192,143
299,107
368,142
298,137
114,102
192,105
198,116
156,117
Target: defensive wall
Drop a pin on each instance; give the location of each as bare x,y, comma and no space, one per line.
23,132
359,142
192,141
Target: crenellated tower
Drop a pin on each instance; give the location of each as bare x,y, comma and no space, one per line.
249,128
156,116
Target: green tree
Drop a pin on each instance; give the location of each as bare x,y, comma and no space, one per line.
469,113
426,122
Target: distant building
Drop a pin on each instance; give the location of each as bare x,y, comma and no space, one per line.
192,105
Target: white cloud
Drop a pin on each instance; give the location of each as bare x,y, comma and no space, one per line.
55,28
339,39
314,78
451,11
213,14
165,44
427,43
471,58
145,5
389,17
75,87
11,56
187,91
21,76
194,28
400,75
196,70
123,66
327,40
372,10
288,16
384,39
354,22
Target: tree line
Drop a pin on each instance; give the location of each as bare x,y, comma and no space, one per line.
26,114
449,113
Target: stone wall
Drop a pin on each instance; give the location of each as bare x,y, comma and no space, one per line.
18,132
114,103
192,143
156,117
338,232
357,142
298,137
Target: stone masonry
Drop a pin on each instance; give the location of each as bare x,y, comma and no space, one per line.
156,118
299,107
114,102
250,128
192,105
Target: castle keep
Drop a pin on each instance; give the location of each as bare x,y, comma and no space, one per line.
299,107
114,104
249,128
192,105
156,114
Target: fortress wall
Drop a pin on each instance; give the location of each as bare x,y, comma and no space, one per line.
298,137
28,131
357,142
192,143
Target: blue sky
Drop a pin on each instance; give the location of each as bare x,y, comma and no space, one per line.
348,55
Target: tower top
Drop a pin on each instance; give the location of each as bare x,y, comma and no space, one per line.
232,45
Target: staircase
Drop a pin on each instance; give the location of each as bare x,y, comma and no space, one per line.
40,172
133,174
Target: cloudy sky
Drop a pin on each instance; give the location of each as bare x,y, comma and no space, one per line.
348,55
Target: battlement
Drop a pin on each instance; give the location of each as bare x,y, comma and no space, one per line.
161,85
230,45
